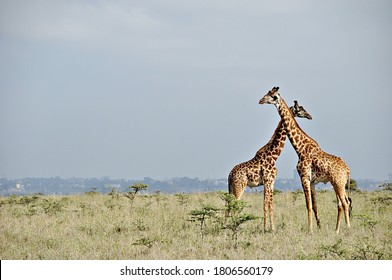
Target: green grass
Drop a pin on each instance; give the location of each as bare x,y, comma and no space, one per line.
94,226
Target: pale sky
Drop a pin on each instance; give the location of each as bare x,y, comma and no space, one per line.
133,89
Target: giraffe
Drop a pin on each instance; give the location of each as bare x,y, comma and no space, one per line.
314,165
261,170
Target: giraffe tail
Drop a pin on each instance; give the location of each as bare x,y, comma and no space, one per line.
350,209
230,183
230,189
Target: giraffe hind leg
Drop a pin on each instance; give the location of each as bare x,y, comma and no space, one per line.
346,207
343,207
236,187
340,210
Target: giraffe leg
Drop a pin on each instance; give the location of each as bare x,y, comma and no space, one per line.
340,210
271,208
237,185
347,211
265,206
343,207
308,198
238,188
343,204
314,203
303,168
268,206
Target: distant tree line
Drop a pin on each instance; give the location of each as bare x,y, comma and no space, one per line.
65,186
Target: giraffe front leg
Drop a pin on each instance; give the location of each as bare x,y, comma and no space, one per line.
308,199
271,209
269,176
265,206
314,204
268,206
304,173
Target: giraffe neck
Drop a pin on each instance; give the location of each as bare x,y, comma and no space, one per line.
300,141
275,145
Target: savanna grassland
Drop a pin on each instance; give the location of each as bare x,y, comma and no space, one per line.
158,226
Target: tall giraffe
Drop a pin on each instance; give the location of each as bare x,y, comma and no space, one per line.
314,165
261,170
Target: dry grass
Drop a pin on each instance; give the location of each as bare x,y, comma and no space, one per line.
94,226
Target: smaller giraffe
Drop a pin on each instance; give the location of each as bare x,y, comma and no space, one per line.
261,170
314,165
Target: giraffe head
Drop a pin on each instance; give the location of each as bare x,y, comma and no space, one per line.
299,111
272,97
